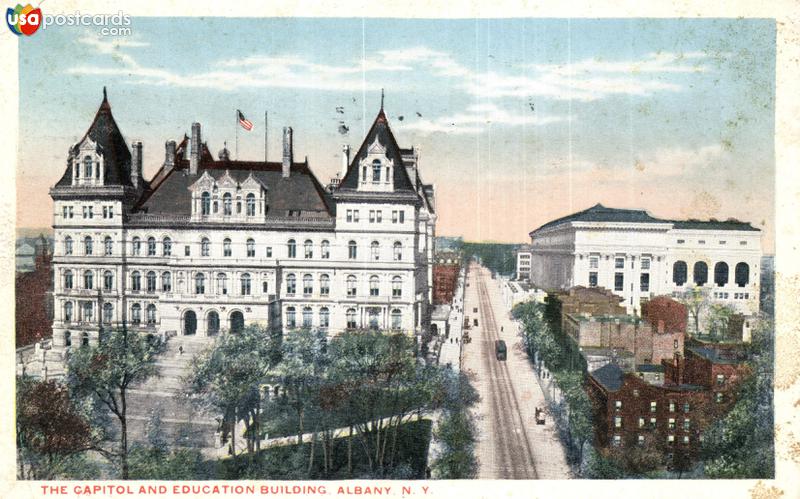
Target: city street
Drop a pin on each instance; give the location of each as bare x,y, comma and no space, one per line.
510,443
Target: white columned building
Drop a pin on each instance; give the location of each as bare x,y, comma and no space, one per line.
209,245
638,256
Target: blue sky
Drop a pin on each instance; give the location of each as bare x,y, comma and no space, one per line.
518,121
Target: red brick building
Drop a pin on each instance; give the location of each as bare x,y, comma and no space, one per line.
34,306
445,280
663,309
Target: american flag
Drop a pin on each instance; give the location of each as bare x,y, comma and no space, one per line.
246,124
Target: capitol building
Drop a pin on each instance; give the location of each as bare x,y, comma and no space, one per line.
209,245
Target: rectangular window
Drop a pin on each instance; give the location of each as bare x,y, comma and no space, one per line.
592,279
681,241
723,242
670,438
349,215
269,251
742,243
619,281
394,216
618,422
640,439
686,439
379,215
402,217
671,406
645,263
594,262
617,440
187,251
641,422
720,379
635,392
687,423
644,282
719,397
617,404
653,422
372,216
702,241
619,263
671,423
355,216
653,406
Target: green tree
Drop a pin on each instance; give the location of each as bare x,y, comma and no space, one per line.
456,431
696,300
718,322
106,371
50,428
227,377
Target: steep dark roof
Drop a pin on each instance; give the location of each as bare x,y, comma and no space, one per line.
380,129
609,377
110,144
170,195
600,213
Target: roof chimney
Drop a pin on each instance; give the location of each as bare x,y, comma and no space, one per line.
136,164
345,159
194,158
288,156
169,158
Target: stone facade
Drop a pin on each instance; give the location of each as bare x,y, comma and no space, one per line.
208,245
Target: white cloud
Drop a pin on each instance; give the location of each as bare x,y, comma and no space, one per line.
477,117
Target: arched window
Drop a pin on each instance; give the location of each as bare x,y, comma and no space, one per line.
226,247
87,245
324,285
307,317
375,250
721,274
324,317
87,167
136,246
742,274
325,249
376,170
251,248
397,319
166,282
291,248
205,203
68,245
108,313
308,285
397,286
108,280
68,279
108,246
251,205
351,318
136,313
291,285
151,246
150,314
245,284
136,281
308,249
679,272
68,311
374,283
700,273
67,339
352,250
88,280
237,322
150,281
212,324
167,246
85,339
374,317
351,285
205,247
398,251
222,283
226,204
189,323
200,284
291,320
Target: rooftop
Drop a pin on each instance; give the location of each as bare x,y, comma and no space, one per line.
627,319
610,377
600,213
717,356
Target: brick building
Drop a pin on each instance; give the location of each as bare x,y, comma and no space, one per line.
34,300
671,312
586,301
445,281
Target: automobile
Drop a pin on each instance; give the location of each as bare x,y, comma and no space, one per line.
500,349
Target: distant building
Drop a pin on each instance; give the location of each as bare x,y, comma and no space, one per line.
581,300
25,256
639,256
524,256
34,299
445,282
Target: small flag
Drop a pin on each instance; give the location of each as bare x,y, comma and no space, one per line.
246,124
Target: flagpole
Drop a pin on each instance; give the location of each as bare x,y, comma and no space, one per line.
266,144
237,135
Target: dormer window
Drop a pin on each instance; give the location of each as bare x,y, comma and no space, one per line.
226,204
205,203
87,167
251,205
376,171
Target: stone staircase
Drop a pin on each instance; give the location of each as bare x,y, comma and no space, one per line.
182,423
